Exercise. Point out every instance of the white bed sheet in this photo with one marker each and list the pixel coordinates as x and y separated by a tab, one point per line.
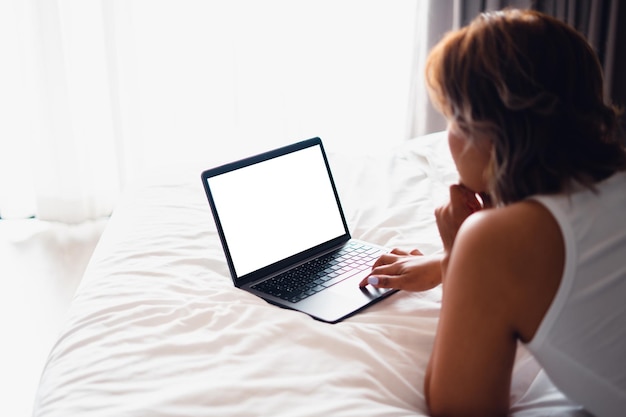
157	327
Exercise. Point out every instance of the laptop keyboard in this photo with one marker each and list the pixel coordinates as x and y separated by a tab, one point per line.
320	273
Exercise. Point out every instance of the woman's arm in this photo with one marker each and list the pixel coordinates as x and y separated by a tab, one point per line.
503	270
470	368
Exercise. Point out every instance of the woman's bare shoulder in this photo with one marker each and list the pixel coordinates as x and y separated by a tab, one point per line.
519	217
525	226
518	252
492	296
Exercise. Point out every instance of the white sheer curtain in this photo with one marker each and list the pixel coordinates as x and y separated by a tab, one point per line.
97	92
434	19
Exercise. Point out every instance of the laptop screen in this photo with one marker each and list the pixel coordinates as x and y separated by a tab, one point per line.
276	208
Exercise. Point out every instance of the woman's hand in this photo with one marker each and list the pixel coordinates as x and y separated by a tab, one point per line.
463	202
404	270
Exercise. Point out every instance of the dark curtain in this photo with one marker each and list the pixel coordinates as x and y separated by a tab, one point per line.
603	22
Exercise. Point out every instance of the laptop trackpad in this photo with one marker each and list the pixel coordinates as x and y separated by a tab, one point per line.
350	288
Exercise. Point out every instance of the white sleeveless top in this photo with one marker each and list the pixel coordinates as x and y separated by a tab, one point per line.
581	342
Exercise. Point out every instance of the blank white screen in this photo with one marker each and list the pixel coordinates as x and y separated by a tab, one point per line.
276	208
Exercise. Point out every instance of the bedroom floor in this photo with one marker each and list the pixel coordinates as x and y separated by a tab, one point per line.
41	265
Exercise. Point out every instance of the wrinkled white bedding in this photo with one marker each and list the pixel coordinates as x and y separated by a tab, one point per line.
158	329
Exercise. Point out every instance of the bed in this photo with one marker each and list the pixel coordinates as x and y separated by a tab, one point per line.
157	328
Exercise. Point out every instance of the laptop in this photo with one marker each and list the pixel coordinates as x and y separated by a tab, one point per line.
285	236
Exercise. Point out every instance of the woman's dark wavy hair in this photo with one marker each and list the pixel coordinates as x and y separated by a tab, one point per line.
533	86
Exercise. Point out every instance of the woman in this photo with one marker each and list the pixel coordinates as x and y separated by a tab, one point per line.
546	265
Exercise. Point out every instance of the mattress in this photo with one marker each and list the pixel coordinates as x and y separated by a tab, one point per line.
157	327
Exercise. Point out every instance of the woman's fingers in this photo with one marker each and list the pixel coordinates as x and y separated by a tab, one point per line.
411	273
387	263
394	255
402	252
449	217
382	281
464	200
384	265
385	259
